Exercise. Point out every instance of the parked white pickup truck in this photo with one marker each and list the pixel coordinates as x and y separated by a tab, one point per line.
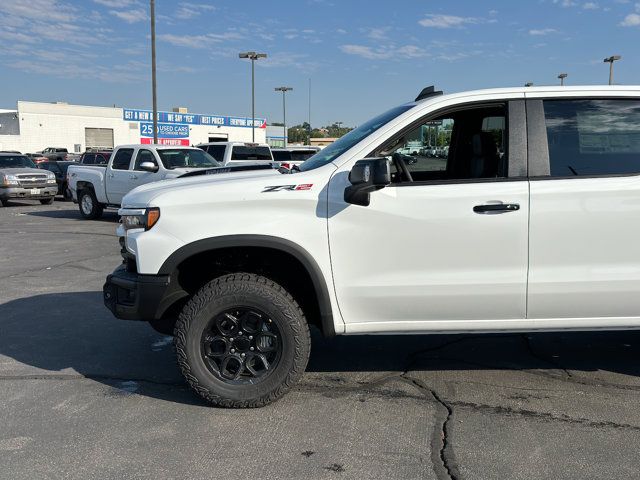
239	153
530	222
97	187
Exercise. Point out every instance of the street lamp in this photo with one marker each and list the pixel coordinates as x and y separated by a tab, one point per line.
253	56
154	95
610	61
562	76
284	90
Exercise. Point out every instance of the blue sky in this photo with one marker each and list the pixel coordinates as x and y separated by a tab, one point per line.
361	56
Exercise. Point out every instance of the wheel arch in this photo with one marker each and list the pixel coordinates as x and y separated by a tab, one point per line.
277	244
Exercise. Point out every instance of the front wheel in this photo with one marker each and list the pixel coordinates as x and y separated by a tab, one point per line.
47	201
242	341
90	209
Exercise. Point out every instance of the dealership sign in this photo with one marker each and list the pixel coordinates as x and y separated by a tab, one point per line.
174	118
165	130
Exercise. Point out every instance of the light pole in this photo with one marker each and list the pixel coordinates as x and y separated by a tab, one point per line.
562	76
610	61
284	90
253	56
153	71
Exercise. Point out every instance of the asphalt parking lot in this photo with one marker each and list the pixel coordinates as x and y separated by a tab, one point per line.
86	396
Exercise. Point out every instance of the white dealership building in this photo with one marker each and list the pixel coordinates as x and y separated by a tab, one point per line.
34	126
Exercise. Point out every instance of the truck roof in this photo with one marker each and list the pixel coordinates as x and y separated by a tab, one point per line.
244	144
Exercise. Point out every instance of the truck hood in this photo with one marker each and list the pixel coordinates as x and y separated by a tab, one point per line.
23	171
144	195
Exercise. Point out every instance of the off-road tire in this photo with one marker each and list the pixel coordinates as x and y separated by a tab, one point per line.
96	209
47	201
5	203
234	290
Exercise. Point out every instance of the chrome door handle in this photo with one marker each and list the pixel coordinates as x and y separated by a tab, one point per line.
111	175
133	177
494	208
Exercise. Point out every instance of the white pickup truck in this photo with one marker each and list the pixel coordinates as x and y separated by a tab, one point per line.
94	187
529	223
240	153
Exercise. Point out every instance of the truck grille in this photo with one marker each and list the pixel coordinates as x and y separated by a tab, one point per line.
32	180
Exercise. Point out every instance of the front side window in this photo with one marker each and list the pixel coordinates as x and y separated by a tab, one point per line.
593	137
122	159
89	159
217	152
144	156
463	145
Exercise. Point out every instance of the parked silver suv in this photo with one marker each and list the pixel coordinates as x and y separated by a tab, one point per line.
21	180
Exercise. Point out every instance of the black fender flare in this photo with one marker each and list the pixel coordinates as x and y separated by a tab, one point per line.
266	241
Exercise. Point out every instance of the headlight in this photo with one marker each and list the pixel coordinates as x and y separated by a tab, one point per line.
51	178
143	218
9	180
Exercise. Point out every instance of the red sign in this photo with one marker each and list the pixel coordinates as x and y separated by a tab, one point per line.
166	141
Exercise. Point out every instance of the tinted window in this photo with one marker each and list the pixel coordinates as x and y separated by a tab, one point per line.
144	156
18	161
251	153
102	159
593	137
281	155
302	154
217	152
89	159
122	159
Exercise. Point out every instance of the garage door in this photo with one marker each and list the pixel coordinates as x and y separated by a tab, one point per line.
98	137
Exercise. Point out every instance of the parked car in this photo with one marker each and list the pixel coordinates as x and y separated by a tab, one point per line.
11	151
59	169
95	187
238	153
290	156
36	157
55	153
358	242
97	157
21	180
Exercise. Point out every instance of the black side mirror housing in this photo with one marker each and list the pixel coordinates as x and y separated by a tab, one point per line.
367	176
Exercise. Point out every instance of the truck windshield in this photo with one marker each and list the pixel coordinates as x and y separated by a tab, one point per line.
186	158
19	161
251	153
337	148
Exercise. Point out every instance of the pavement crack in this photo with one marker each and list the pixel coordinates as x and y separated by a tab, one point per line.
442	454
543	416
64	264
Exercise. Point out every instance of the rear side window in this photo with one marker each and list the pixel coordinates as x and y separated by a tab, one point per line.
251	153
593	137
217	152
89	159
122	159
281	155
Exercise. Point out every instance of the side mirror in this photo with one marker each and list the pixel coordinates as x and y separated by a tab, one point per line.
367	176
149	167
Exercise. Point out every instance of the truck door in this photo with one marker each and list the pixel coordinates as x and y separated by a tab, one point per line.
119	175
447	246
585	205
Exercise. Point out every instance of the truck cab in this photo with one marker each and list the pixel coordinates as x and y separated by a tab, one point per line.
239	153
503	210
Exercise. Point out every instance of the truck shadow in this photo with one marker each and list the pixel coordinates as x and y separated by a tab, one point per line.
72	336
109	216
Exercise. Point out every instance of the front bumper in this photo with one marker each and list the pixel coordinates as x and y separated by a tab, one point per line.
28	193
131	296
